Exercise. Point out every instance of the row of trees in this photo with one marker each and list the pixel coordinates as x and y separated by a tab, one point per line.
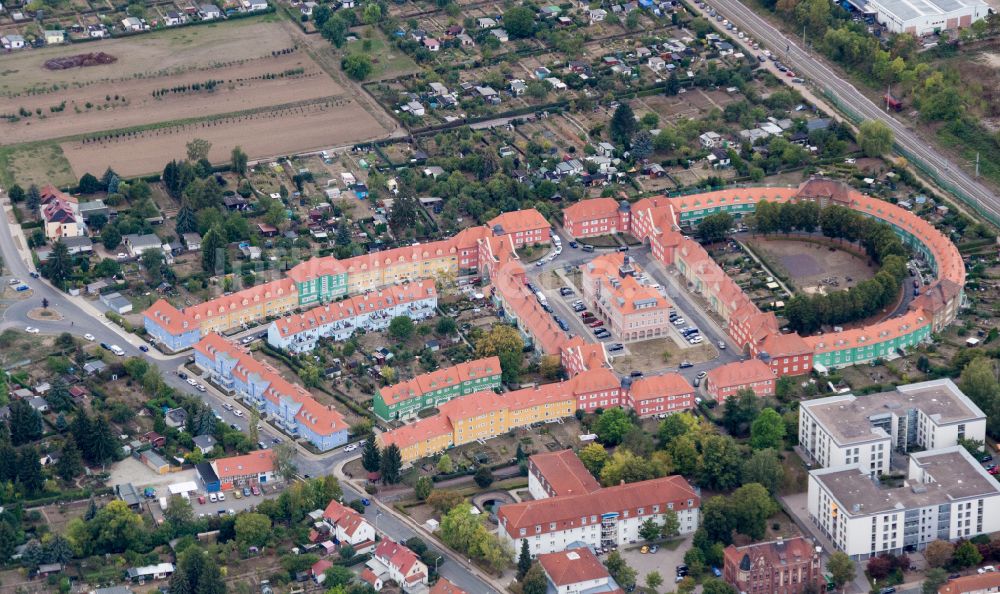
807	313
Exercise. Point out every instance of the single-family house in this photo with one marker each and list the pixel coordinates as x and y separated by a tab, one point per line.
254	5
97	31
54	36
12	42
175	417
710	140
597	15
204	443
94	208
137	244
160	571
192	241
116	303
415	108
518	87
174	18
500	34
431	44
465	40
209	12
400	564
719	158
131	24
486	23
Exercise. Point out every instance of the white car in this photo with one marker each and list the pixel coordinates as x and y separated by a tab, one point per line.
89	337
222	496
13	282
238	412
200	388
31	330
117	350
213	497
192	381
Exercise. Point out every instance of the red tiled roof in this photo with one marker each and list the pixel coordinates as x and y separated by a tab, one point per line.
369	576
168	317
588	210
657	386
443	586
322	420
343	517
519	220
253	463
564	513
986	582
572	566
440	379
241	300
739	373
785	345
564	473
396	555
412	433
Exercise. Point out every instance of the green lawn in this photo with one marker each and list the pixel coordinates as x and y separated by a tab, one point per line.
35	163
388	61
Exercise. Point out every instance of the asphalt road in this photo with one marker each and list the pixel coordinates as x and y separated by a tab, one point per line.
810	65
78	322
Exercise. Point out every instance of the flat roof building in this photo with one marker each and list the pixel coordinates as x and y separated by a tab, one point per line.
925	17
947	495
848	429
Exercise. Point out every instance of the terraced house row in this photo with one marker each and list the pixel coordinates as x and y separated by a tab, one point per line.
660	221
338	320
486	414
404	400
326	279
288	406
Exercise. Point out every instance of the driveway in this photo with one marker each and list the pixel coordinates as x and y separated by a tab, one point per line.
664	561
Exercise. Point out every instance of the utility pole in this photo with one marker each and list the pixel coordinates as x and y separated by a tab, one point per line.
888	93
977	164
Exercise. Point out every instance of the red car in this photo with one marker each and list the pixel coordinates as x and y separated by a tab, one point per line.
596	324
586	315
255	490
201	499
790	74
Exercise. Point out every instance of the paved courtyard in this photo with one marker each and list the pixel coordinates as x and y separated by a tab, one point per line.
664	561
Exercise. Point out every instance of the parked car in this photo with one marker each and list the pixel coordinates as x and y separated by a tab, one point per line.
685	364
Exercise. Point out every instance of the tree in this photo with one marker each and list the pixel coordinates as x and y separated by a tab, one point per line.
392	461
763	467
444	465
741	410
357	66
594	457
153	261
25	423
403	217
252	530
103	445
720	462
284	460
841	568
875	138
625	466
29	471
110	237
939	553
523	560
519	22
59	267
649	530
715	227
372	13
70	464
335	30
966	555
483	477
16	193
654	580
672	86
619	570
178	513
445	326
717	586
197	149
401	328
612	426
504	342
213	251
33	197
623	124
751	506
767	430
423	487
933	580
89	184
442	500
534	581
879	567
238	160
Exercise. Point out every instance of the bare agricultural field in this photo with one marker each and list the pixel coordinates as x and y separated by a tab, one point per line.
266	133
813	267
157	53
244	86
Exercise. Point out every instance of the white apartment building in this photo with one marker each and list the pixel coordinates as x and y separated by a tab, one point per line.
609	516
338	320
946	496
864	430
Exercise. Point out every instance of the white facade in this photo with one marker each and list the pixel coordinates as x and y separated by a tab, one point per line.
850	430
947	496
926	17
601	530
535	487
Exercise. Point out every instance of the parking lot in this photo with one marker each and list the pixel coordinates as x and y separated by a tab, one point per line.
665	560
